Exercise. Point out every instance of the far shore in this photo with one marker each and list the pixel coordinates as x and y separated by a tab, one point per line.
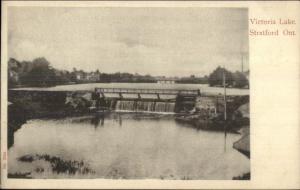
204	88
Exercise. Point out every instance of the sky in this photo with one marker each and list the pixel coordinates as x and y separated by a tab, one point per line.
157	41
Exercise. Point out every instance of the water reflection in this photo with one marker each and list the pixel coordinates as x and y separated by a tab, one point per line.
97	120
129	146
225	136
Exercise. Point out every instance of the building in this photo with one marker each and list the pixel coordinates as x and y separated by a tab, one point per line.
80	75
93	76
14	76
163	80
87	77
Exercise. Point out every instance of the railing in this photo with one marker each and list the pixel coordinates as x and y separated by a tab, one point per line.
147	91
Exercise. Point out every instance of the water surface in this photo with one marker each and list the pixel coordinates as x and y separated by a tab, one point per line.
127	146
91	86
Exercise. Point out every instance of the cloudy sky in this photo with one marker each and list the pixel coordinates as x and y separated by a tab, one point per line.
156	41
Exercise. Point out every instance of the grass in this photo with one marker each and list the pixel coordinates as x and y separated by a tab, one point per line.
58	165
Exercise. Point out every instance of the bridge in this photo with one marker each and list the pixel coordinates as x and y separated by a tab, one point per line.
147	91
147	99
141	93
166	81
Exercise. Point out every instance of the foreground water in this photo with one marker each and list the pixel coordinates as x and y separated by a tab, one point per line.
123	145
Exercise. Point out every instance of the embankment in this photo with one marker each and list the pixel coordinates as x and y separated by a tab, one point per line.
25	105
209	113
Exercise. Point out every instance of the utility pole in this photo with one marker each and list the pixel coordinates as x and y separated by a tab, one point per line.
225	103
225	108
242	62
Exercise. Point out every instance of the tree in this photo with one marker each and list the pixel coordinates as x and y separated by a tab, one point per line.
216	77
40	75
40	62
240	80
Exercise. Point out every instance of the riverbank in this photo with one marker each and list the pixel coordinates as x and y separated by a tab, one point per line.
243	144
26	105
211	117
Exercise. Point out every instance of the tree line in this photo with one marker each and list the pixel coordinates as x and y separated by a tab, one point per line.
40	73
32	73
233	79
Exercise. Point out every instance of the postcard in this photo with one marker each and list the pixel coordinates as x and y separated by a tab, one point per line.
161	94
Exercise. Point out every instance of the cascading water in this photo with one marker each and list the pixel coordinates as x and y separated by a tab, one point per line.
170	106
164	107
112	104
125	105
144	106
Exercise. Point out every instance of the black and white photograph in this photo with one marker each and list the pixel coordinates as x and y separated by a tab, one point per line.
128	93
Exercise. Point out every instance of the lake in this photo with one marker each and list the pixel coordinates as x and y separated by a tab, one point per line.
91	86
123	145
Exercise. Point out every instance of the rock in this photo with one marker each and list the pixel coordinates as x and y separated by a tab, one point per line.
79	101
87	96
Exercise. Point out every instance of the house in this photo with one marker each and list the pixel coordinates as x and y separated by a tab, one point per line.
14	76
87	77
80	75
163	80
93	76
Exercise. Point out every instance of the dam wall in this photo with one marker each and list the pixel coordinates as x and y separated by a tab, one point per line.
45	102
39	103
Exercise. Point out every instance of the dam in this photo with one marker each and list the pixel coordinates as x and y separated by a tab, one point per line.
123	97
117	99
140	100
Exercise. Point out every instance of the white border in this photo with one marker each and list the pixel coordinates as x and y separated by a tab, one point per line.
267	171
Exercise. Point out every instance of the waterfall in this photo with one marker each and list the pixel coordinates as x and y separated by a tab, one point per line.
170	106
125	105
164	107
144	106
